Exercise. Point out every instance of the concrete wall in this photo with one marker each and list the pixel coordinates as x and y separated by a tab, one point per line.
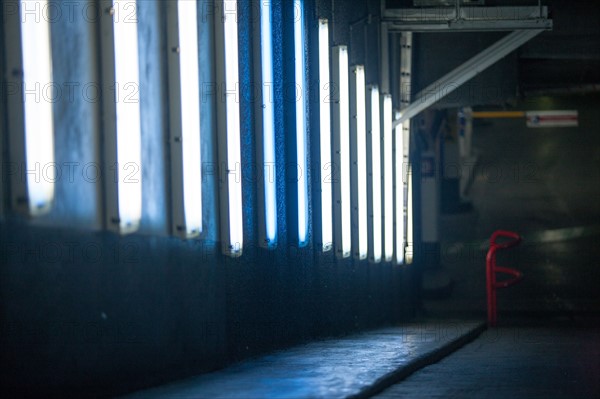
437	54
568	56
84	310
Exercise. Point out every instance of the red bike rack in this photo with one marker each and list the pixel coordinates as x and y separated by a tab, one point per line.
492	269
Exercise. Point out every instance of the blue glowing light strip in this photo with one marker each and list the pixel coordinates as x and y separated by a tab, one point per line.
388	179
376	175
361	160
129	139
190	115
39	123
232	78
301	153
325	137
342	149
268	123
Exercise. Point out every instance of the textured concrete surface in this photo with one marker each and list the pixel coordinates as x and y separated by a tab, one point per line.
503	363
335	368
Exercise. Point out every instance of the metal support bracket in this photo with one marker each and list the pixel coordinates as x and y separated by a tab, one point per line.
454	79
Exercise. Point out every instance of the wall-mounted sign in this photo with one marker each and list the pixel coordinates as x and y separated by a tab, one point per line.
564	118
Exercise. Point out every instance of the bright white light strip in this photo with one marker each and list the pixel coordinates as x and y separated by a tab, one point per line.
388	179
234	183
376	174
39	123
361	162
405	253
325	136
344	149
300	70
128	115
190	115
268	123
399	161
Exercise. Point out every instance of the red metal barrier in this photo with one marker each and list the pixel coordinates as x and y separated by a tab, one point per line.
492	269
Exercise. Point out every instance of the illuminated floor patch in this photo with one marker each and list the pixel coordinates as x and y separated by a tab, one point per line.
336	368
565	234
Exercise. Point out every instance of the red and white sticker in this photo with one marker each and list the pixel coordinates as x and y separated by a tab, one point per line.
565	118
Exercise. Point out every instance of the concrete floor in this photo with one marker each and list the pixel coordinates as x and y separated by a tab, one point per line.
333	368
543	184
540	362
